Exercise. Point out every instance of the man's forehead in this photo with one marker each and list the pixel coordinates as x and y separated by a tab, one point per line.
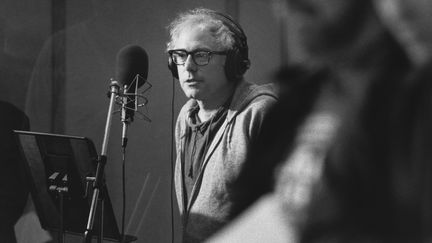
196	38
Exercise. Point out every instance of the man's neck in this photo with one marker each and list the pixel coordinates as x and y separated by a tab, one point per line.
205	115
207	111
207	108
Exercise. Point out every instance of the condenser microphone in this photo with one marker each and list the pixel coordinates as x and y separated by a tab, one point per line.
131	73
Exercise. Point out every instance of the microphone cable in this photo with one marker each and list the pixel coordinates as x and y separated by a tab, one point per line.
172	159
123	192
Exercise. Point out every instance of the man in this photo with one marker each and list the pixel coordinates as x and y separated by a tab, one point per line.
208	54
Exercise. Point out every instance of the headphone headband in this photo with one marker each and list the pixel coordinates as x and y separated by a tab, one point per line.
239	35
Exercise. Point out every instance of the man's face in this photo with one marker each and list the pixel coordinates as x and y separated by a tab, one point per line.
205	83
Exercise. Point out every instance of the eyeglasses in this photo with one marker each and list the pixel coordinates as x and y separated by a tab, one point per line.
200	57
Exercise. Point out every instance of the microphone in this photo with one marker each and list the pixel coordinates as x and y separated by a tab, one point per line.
131	73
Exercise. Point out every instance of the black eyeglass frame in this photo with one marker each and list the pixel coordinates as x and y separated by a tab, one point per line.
192	53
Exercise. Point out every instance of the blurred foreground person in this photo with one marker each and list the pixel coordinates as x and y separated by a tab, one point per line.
351	162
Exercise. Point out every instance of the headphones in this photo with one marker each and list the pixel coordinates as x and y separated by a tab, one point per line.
237	60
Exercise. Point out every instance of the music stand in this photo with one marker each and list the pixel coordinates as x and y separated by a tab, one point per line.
54	162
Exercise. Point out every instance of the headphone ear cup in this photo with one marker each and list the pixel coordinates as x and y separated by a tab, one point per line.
230	66
173	68
235	65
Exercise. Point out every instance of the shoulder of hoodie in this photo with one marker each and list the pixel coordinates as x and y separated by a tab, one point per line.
247	92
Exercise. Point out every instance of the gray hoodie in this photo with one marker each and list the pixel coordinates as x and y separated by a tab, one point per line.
210	204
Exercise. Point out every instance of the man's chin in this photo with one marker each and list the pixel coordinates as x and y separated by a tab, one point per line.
193	95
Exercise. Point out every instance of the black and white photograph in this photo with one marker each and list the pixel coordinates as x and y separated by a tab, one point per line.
231	121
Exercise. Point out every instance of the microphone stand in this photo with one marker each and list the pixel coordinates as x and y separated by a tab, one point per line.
99	180
126	118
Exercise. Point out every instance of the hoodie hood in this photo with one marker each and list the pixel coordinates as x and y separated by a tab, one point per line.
245	93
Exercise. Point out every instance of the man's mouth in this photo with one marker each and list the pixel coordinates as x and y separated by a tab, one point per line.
192	81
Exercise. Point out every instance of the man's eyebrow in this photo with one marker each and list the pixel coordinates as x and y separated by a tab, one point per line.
202	49
194	50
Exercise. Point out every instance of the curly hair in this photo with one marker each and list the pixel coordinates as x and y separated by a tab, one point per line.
205	19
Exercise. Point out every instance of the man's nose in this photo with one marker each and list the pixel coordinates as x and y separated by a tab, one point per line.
190	65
